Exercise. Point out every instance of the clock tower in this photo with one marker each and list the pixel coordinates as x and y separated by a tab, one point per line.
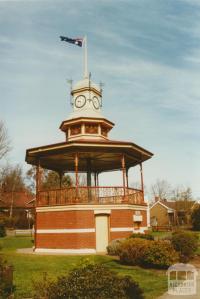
86	120
86	99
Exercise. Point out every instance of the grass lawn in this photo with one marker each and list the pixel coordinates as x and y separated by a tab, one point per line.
161	235
31	267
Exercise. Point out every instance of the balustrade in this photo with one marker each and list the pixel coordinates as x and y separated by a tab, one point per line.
89	195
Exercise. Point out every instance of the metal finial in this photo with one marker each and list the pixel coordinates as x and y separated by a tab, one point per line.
101	85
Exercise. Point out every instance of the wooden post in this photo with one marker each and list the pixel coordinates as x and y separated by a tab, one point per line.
89	181
95	184
142	182
37	185
127	185
60	179
97	179
124	175
76	172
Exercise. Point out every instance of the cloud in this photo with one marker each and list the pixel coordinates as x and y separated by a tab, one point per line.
146	52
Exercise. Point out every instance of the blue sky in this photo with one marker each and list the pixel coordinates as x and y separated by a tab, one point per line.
147	52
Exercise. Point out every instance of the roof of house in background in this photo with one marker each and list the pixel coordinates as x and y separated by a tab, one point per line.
20	199
176	205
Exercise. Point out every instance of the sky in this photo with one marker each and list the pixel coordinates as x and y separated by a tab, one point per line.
147	54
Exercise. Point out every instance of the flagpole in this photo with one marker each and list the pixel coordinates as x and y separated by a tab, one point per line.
85	58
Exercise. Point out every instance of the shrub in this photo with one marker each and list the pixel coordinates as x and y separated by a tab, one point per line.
93	282
186	243
195	218
132	250
5	279
114	247
142	236
2	229
160	254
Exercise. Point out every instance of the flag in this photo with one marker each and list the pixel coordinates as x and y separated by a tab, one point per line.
75	41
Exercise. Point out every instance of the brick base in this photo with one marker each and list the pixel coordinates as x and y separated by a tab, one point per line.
75	229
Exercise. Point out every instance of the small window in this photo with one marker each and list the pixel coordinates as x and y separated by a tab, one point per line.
75	130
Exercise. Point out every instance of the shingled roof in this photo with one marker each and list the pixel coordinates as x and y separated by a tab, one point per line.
177	205
20	199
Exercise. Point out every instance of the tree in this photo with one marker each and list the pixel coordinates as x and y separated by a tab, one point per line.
4	140
181	193
195	218
31	178
49	179
161	189
12	180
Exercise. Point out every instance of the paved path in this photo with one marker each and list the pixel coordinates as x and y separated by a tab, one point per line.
197	296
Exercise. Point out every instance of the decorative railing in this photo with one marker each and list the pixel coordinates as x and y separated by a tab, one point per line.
89	195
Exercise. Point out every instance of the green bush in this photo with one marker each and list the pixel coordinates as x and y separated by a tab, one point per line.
142	236
91	282
195	218
160	254
132	250
114	246
186	243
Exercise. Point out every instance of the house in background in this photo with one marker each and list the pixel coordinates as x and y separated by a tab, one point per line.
18	206
171	213
162	213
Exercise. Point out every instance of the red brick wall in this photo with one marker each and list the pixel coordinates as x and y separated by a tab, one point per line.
65	219
119	235
66	241
78	220
124	218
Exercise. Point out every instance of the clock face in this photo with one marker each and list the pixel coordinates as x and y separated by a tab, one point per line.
80	101
95	102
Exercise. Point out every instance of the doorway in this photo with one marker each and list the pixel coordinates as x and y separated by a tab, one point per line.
101	233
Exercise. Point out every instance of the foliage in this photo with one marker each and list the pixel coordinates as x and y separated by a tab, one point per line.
160	254
142	236
9	222
91	281
195	218
4	140
114	246
2	229
147	253
152	282
49	179
41	287
186	243
5	280
132	251
11	178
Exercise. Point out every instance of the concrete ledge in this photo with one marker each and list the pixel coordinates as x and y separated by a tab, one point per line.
52	251
65	251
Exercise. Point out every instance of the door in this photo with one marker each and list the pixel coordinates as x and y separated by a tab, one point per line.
101	233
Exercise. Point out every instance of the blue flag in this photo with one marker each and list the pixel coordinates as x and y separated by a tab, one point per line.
75	41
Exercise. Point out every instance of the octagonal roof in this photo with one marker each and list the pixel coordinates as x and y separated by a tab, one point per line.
104	155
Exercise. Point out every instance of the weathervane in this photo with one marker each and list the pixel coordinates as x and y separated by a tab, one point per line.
70	81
